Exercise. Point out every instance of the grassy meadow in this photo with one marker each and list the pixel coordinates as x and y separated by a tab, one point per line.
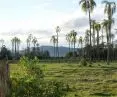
95	80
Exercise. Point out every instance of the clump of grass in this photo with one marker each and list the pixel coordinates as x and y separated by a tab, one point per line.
83	62
90	65
99	65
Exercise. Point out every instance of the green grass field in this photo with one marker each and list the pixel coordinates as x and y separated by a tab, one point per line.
97	80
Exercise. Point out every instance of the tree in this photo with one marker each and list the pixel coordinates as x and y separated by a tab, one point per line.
81	43
87	43
74	38
68	38
18	44
87	37
34	41
37	48
105	26
88	6
57	31
5	53
54	41
29	40
102	36
93	28
110	9
15	46
97	28
2	42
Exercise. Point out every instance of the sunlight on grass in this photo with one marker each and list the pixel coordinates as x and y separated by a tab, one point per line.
96	81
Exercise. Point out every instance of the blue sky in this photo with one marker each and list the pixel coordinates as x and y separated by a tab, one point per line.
40	17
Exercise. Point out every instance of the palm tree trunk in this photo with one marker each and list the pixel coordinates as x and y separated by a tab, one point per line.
90	25
82	49
93	35
69	46
15	48
108	49
74	48
54	49
97	45
90	34
18	48
12	47
57	47
29	47
109	41
102	37
34	49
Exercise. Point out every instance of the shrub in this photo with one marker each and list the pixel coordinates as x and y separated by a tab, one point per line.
33	84
83	62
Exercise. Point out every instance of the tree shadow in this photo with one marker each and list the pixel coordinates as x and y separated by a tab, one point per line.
104	94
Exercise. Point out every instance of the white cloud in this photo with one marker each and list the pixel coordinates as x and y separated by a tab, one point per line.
43	27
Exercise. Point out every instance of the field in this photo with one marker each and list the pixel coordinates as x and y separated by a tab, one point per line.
95	80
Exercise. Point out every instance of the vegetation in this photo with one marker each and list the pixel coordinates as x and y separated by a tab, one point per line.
31	81
92	80
83	72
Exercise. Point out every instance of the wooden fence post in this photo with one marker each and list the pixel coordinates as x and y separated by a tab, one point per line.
4	78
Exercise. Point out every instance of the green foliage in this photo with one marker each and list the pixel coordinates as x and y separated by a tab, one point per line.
83	62
37	53
33	84
71	54
84	81
5	53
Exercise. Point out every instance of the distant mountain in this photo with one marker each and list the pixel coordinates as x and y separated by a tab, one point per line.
62	50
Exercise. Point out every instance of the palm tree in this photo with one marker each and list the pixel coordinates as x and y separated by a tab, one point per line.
57	31
93	28
15	46
12	41
54	41
29	40
97	28
110	9
88	6
18	44
74	38
68	38
2	42
34	41
87	43
105	25
81	43
112	37
87	37
102	36
37	48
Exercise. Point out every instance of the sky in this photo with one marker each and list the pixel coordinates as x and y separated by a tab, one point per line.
40	17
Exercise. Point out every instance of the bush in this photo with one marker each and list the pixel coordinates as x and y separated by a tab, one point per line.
83	62
33	84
